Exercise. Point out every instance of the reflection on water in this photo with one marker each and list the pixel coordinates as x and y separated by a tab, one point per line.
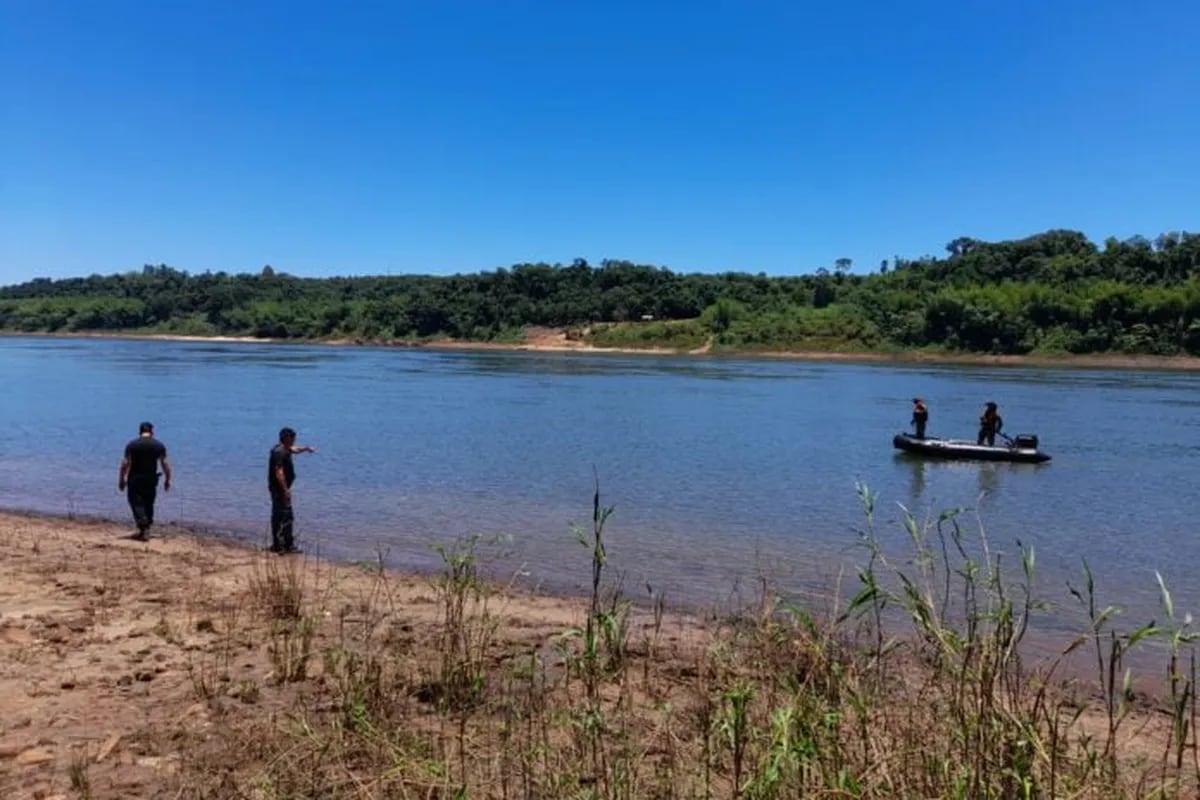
917	468
987	476
721	470
221	359
623	365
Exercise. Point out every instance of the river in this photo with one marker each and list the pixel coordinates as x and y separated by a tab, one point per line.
721	471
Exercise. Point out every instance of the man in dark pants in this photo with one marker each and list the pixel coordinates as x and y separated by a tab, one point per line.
920	416
990	424
280	476
139	473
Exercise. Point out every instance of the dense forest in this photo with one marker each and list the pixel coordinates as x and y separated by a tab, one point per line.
1055	292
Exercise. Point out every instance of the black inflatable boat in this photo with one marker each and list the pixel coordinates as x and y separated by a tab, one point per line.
1023	448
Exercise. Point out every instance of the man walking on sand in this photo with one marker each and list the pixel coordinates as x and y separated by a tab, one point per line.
280	476
139	477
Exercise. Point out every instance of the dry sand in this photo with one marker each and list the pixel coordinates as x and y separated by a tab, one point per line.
104	642
120	659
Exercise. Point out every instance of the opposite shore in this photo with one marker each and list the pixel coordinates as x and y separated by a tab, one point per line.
553	340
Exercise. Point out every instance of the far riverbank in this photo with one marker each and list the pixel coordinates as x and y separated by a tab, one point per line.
553	340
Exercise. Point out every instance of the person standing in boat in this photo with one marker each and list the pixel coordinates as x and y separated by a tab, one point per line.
989	425
920	416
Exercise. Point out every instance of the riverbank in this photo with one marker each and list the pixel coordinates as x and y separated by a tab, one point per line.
189	667
555	340
119	657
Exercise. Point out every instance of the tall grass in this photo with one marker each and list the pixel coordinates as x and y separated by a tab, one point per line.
919	687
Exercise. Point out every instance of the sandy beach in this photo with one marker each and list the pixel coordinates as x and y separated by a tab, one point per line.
119	658
188	667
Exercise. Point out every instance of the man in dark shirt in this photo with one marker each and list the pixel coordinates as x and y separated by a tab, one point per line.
920	416
139	475
989	425
280	476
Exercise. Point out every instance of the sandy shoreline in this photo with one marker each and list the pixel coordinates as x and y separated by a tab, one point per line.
547	340
131	669
103	640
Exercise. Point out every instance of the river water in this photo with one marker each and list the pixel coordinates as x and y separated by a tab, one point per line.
721	471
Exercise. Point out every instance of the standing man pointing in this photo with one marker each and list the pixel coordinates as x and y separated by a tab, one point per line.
280	476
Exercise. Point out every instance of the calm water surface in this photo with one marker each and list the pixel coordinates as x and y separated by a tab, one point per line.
720	470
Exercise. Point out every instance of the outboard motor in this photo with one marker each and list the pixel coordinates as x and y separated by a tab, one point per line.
1025	440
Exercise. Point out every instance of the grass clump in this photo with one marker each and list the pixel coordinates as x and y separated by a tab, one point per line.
918	685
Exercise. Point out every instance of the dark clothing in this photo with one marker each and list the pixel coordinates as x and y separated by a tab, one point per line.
281	456
141	484
919	419
282	518
144	453
989	425
141	492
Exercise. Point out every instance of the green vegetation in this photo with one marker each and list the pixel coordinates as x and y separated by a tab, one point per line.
919	687
1055	292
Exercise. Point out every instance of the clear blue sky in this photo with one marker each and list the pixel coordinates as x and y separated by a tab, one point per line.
442	136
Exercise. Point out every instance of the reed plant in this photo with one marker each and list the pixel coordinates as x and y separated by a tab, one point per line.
920	686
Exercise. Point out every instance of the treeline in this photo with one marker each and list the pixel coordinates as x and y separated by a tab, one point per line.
1053	292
